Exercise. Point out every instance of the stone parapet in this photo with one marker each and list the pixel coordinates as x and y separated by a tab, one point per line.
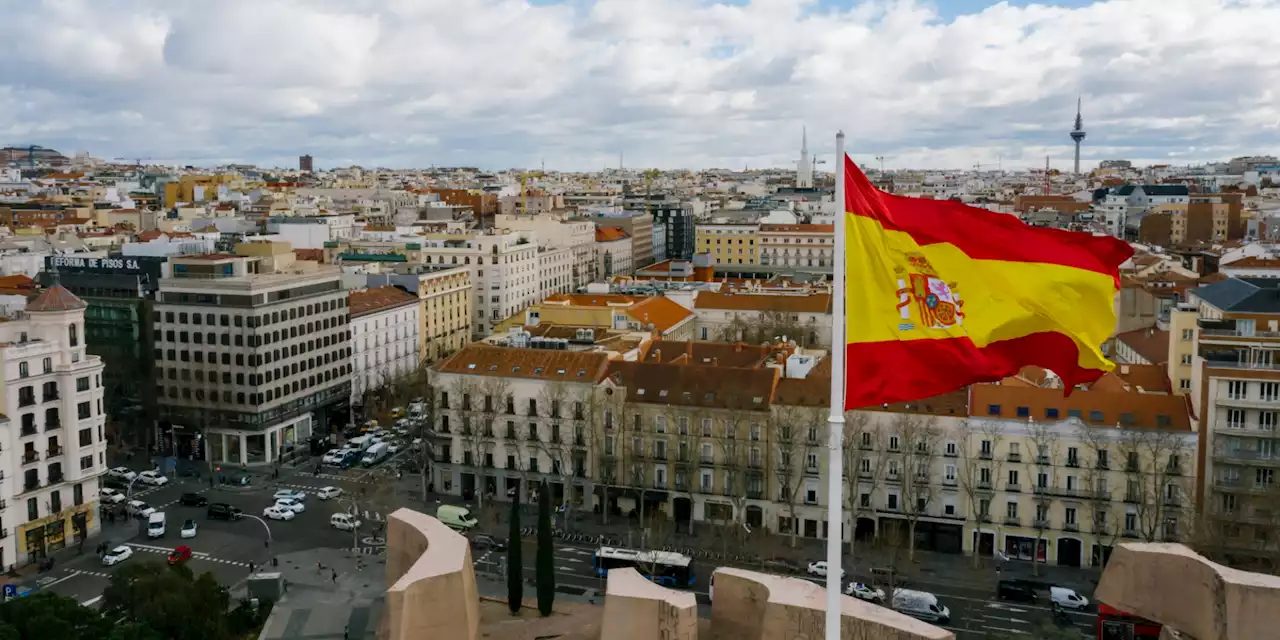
1173	585
433	586
637	609
757	606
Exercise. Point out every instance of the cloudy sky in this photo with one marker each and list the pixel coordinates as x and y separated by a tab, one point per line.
667	83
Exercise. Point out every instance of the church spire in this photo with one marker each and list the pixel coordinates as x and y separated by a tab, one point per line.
804	173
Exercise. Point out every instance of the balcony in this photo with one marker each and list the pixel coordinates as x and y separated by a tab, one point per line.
30	456
579	441
1071	526
1012	521
1063	492
509	435
893	477
1101	530
1015	457
555	439
31	485
1102	465
945	454
811	470
920	479
1073	462
50	425
985	455
755	464
1245	455
1131	533
1013	487
29	430
1039	524
1132	498
948	482
659	484
53	452
865	475
659	455
1102	494
1042	460
1172	501
1173	469
984	485
755	494
708	460
49	397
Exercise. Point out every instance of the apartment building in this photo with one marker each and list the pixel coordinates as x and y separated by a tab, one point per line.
613	246
504	270
673	222
561	230
1235	377
729	243
444	293
803	316
385	325
639	226
555	271
797	245
252	350
53	446
658	315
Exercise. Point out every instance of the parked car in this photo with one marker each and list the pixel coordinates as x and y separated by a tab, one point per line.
782	565
864	592
153	478
117	555
393	447
123	473
326	493
1016	590
290	494
223	511
139	509
180	554
344	521
488	542
193	500
277	513
820	569
333	456
291	504
110	496
188	528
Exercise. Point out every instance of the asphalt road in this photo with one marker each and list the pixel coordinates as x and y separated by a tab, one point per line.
222	547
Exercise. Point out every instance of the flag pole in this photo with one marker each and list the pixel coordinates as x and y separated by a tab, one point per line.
835	422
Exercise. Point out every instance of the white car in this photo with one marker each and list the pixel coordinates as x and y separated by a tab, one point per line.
277	513
117	555
326	493
189	529
123	473
864	592
290	504
110	496
344	522
139	509
289	494
152	478
820	569
394	447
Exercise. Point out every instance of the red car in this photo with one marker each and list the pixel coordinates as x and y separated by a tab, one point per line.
181	554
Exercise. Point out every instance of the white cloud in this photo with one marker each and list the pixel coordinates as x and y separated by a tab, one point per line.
671	83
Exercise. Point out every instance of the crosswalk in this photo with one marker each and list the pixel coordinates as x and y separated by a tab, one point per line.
197	555
333	476
368	551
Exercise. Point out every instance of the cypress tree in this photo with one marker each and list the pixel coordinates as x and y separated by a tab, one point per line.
515	572
546	579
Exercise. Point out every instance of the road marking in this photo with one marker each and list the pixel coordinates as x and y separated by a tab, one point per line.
50	584
90	602
1005	607
1017	620
1018	632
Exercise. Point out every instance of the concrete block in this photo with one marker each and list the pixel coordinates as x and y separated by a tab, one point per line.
637	609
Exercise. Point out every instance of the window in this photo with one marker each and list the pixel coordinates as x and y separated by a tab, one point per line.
1188	334
1024	412
1184	384
77	494
993	409
83	410
1237	389
1235	418
82	384
22	370
1186	358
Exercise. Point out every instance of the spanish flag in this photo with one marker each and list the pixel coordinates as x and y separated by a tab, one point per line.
940	295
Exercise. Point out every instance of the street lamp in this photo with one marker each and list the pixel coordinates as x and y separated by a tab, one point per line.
268	530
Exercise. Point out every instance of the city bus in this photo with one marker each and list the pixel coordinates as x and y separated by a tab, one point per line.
662	567
1114	624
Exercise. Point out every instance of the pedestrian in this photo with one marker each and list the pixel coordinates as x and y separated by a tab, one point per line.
346	632
251	566
319	568
335	576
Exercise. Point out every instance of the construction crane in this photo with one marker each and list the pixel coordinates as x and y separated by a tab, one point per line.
524	193
137	162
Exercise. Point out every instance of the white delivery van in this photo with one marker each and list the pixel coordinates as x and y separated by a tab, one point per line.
155	525
458	518
1068	599
360	444
922	605
344	521
375	454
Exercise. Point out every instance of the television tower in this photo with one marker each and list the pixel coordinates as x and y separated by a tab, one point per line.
1077	135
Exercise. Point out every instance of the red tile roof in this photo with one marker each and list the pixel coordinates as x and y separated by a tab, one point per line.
610	234
56	298
369	301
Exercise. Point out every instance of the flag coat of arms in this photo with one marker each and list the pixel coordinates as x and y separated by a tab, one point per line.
939	295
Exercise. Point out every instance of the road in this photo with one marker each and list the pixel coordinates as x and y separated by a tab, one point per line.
224	548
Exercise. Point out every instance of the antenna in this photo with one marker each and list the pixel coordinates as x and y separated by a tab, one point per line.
1046	175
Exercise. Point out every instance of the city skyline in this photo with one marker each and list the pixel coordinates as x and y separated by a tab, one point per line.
693	85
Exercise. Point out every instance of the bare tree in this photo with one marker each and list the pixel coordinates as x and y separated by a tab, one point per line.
558	408
1045	437
745	458
793	448
862	466
920	436
465	403
636	456
688	429
978	468
1155	483
602	422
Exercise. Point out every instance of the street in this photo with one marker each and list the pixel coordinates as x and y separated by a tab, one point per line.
227	548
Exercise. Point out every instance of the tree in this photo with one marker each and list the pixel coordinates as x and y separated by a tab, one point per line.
546	576
1045	438
688	421
920	435
1155	483
556	402
977	469
790	423
48	615
862	467
515	566
737	455
168	600
601	415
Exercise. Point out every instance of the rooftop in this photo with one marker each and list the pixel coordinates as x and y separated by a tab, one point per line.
367	301
610	234
1149	342
786	303
1096	407
56	298
712	387
1243	295
485	360
797	228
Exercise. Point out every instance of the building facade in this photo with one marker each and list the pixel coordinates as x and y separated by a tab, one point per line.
797	245
729	243
385	326
613	247
54	442
253	352
445	294
639	225
504	270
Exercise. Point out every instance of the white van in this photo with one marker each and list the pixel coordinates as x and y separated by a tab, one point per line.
1068	599
922	605
344	521
155	525
458	518
375	454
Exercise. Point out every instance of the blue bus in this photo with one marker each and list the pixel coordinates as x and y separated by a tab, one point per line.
662	567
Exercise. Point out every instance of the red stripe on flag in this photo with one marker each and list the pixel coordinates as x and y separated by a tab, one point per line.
908	370
981	234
